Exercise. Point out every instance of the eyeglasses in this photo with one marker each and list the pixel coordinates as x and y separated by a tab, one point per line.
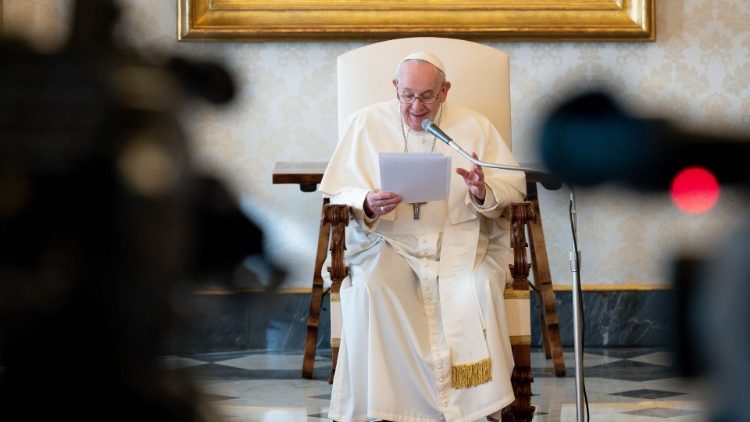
409	98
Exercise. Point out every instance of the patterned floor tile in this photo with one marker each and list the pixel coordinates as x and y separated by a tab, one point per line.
659	412
629	370
647	394
273	393
218	397
176	362
631	385
270	362
219	356
657	358
223	372
692	388
271	414
540	361
622	353
640	411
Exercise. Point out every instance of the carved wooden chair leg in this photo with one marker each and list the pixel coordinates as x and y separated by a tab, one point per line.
517	308
316	297
337	216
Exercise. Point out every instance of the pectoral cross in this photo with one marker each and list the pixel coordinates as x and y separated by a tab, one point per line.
415	209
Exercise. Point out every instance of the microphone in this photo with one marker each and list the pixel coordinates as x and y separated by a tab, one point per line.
431	127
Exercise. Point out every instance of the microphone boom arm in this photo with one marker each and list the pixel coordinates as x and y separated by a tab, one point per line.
433	129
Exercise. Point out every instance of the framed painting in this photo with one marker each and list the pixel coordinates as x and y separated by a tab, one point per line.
511	20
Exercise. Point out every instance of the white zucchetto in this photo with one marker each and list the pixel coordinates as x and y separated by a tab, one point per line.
424	56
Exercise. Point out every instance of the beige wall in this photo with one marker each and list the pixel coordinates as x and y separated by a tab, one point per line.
696	73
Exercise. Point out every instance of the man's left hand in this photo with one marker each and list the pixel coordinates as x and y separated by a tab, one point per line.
474	179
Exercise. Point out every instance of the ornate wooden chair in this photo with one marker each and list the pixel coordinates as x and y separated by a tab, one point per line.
480	77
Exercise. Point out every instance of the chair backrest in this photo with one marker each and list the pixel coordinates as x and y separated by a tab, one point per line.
479	76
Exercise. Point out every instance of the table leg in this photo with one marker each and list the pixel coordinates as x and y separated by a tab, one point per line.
316	297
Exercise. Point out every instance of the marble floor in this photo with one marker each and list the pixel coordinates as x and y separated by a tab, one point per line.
631	385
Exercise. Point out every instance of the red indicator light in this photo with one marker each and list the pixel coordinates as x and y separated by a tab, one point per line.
695	190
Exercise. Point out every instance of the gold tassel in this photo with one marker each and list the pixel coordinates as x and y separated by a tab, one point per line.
471	374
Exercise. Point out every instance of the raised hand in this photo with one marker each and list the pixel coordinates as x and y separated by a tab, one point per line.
474	179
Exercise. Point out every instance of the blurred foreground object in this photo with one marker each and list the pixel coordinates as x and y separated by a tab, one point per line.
589	140
101	214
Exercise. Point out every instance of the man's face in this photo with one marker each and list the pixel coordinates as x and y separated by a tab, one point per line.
423	80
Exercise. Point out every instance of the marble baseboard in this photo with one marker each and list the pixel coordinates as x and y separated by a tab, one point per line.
279	322
615	318
249	321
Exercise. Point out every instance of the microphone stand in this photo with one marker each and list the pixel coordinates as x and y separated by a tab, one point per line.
575	259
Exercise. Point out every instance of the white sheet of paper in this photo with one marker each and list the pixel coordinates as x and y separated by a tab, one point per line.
418	177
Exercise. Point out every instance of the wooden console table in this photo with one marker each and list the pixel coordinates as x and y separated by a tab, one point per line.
309	174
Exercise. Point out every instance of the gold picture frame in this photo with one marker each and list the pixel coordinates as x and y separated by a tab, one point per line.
502	20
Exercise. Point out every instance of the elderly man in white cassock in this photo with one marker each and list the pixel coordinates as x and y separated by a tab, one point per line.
424	335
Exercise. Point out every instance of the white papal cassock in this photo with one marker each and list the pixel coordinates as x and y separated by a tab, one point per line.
424	298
